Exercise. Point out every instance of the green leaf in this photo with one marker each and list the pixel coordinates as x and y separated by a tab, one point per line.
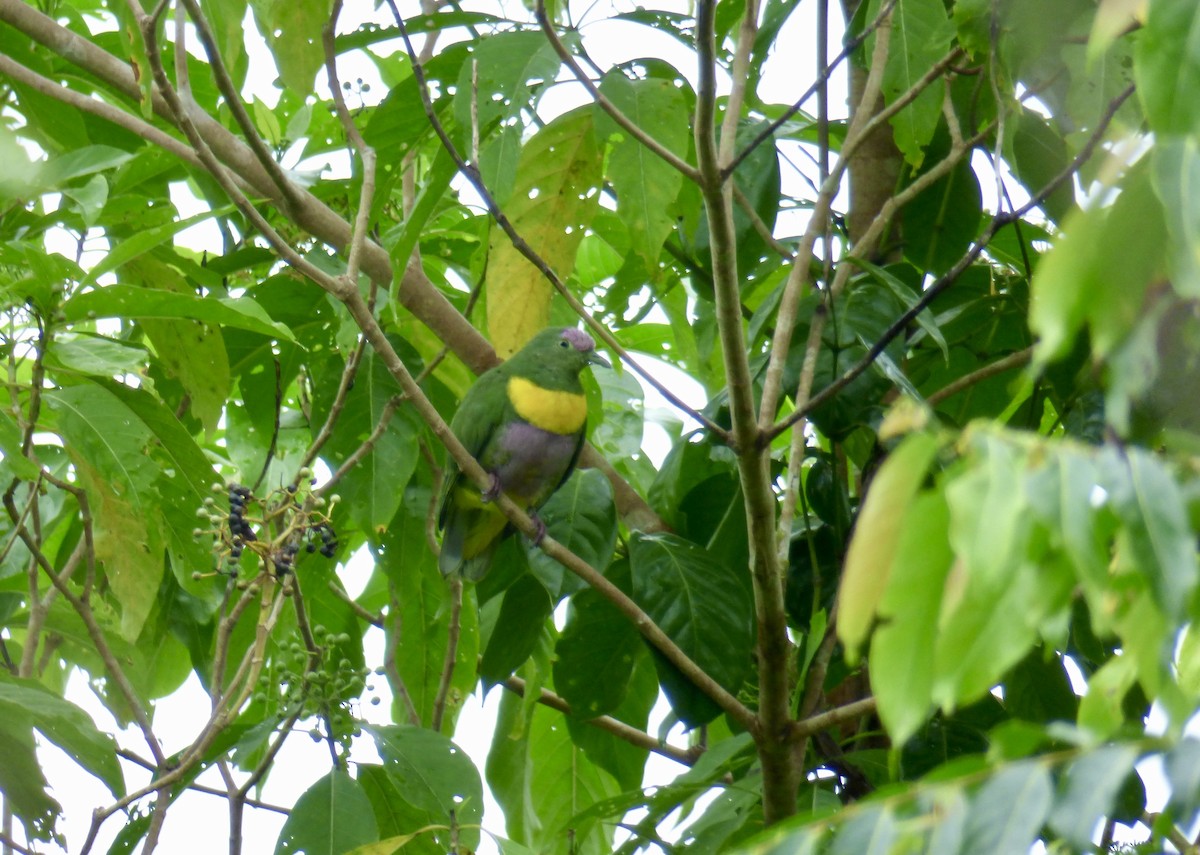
1182	765
705	607
1038	154
126	301
64	724
871	832
1176	163
523	612
1091	788
395	817
374	487
624	761
555	196
500	78
137	245
595	655
1167	66
95	356
192	353
185	474
908	297
1008	811
646	185
333	815
434	774
1149	504
869	556
10	446
1101	710
108	445
902	648
77	163
544	782
948	212
21	779
422	602
292	29
582	517
921	35
1094	277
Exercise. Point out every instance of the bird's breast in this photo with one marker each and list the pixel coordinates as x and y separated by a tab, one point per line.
530	462
550	410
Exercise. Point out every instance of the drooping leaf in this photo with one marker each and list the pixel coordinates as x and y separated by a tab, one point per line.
553	200
65	725
434	774
423	601
645	184
703	606
902	647
108	444
126	301
595	655
544	782
1091	787
869	557
581	516
921	34
288	28
1008	811
333	815
521	621
1167	67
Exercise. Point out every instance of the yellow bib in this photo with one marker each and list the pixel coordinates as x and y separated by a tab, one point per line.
557	412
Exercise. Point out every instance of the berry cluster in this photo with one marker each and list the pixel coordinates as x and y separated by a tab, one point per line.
329	541
285	520
239	529
322	683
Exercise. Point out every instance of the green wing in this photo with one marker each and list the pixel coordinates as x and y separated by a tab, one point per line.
475	422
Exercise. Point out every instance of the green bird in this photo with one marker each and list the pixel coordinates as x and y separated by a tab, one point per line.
524	422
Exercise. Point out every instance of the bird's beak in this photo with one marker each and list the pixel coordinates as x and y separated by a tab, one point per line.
596	359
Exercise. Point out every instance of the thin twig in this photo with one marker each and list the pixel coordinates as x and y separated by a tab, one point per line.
849	48
233	100
823	721
335	407
619	729
366	154
1013	360
335	586
632	128
367	446
126	754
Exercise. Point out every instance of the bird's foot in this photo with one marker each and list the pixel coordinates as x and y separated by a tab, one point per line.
539	533
493	490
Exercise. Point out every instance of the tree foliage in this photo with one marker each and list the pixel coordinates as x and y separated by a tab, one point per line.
919	573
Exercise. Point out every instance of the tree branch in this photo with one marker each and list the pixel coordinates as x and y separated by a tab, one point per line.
780	774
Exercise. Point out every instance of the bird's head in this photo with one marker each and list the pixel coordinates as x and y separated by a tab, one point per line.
560	348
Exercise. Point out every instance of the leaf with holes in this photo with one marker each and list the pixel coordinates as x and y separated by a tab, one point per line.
554	198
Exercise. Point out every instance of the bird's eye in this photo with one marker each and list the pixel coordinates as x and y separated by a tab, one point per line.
564	343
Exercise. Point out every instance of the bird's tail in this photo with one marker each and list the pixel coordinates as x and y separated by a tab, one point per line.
469	540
